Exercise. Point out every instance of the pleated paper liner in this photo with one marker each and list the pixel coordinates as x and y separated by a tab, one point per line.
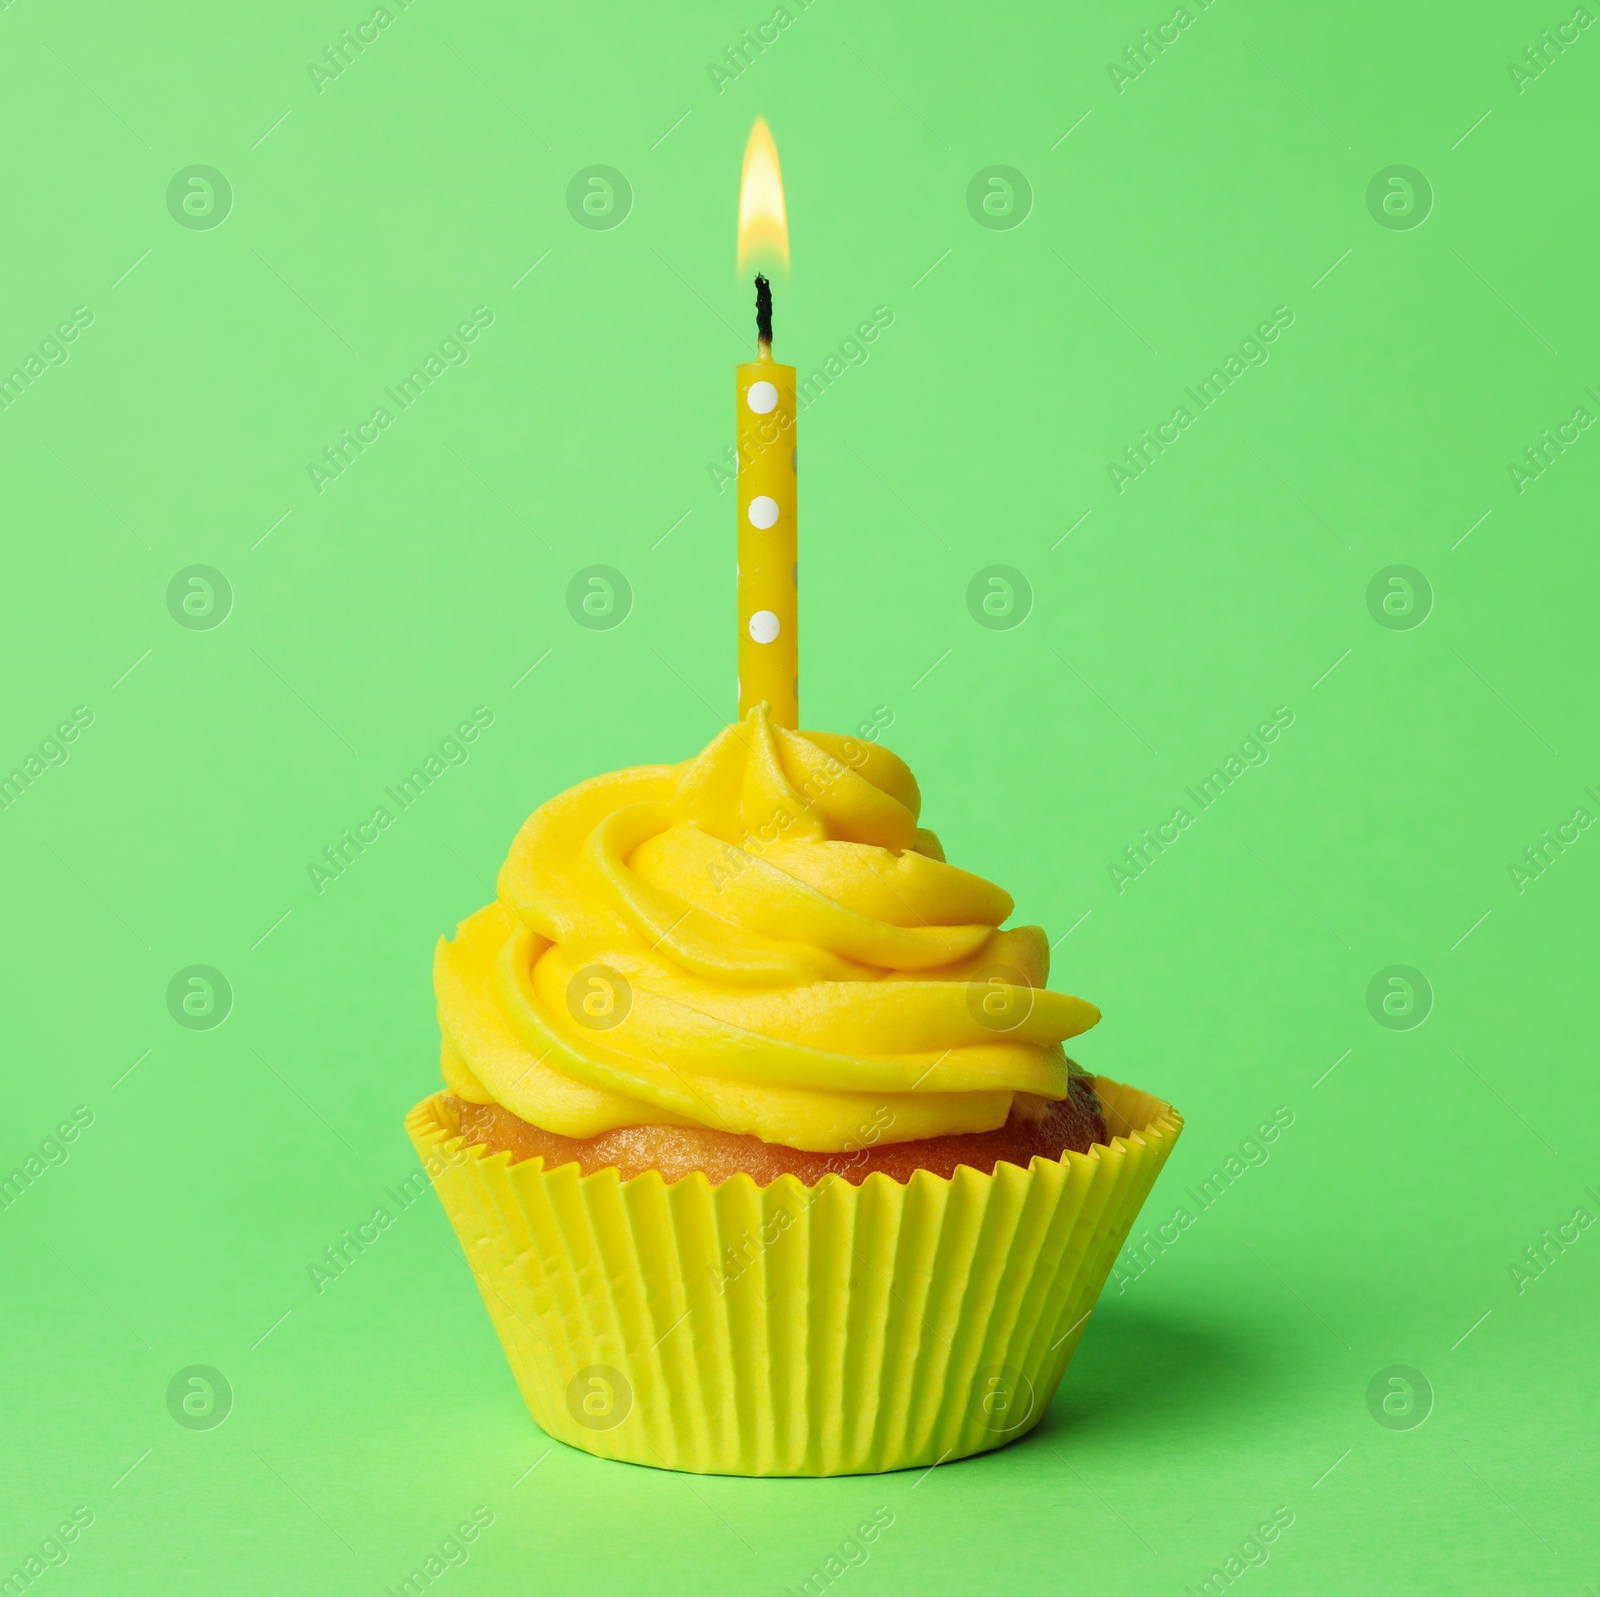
794	1330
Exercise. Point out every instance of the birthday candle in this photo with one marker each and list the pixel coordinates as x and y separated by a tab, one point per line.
768	573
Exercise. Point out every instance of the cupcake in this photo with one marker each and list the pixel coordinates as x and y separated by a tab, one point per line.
758	1131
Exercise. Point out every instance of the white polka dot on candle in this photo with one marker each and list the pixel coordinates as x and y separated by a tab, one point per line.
763	511
762	398
764	626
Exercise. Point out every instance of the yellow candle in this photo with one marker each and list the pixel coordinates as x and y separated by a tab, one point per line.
769	629
769	618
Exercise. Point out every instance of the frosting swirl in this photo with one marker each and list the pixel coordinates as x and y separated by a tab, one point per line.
759	940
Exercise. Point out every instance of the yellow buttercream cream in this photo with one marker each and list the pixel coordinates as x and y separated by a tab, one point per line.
759	940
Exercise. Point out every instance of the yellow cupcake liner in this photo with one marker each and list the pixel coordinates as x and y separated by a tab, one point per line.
793	1330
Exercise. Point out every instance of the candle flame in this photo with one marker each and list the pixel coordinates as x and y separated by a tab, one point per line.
763	220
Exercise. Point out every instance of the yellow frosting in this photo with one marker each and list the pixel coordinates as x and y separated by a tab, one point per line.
759	940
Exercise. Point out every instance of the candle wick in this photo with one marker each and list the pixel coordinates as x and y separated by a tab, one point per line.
764	316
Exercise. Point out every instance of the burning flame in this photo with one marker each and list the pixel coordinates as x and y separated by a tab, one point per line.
763	221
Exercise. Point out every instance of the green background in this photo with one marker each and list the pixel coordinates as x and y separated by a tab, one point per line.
1167	220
